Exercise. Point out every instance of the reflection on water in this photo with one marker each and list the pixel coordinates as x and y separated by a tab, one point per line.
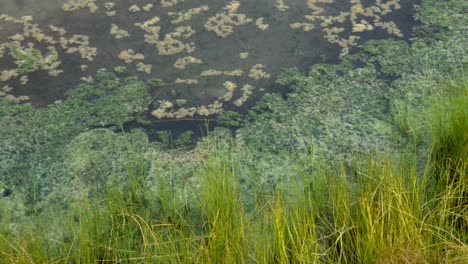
214	55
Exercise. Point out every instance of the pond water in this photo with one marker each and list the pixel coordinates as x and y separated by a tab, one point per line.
216	55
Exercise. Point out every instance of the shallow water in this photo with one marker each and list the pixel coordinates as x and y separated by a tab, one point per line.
277	47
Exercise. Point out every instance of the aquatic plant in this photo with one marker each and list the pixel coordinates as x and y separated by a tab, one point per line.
30	59
229	119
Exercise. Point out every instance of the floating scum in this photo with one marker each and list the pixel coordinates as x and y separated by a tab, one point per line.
215	54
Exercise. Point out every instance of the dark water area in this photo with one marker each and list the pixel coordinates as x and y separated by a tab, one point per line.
270	36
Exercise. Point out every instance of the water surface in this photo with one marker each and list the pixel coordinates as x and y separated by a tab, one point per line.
267	36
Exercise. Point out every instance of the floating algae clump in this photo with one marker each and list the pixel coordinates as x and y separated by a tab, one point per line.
6	75
146	68
118	33
281	6
185	81
28	59
80	44
181	63
170	3
171	44
213	72
223	24
243	55
187	15
147	7
73	5
357	15
129	55
230	87
247	91
134	9
259	23
257	72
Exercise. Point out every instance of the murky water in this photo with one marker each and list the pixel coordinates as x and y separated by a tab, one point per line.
227	66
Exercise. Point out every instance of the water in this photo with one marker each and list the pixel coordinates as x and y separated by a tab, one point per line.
275	48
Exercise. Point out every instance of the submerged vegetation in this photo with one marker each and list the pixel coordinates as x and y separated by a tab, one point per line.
360	162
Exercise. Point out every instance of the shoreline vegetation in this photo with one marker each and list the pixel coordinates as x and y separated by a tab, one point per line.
361	162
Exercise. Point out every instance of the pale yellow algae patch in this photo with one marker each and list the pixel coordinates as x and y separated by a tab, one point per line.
179	17
257	72
89	79
185	112
390	26
164	104
230	88
247	91
118	33
361	19
171	44
128	56
81	43
215	108
33	31
2	49
7	89
134	9
109	5
146	68
151	30
165	110
159	113
14	99
186	81
59	30
182	63
147	7
259	23
213	72
281	6
16	37
24	80
223	24
6	75
243	55
305	26
170	3
73	5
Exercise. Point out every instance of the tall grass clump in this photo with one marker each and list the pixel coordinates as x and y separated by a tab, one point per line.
224	217
447	189
375	214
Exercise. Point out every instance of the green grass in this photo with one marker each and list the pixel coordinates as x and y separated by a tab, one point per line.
380	210
379	215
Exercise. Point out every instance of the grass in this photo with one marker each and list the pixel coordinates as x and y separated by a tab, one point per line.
382	210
